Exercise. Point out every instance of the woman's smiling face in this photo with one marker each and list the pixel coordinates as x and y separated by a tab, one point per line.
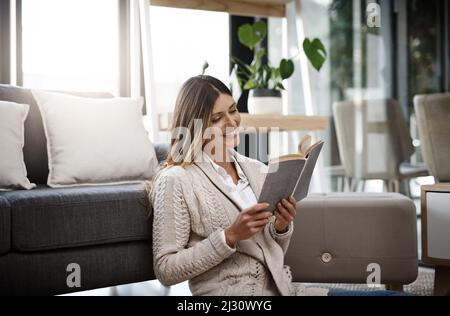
226	117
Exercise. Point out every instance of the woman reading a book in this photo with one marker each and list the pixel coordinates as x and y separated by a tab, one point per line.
208	227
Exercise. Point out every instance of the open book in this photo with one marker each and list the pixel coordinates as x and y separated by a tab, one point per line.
290	174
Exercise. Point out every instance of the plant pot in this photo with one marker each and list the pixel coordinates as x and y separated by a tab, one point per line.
265	101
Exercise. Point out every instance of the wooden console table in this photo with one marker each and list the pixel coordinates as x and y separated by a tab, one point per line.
435	218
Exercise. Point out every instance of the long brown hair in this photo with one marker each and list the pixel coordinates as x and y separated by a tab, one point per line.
195	101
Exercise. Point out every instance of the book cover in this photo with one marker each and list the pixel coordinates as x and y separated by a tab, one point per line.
290	175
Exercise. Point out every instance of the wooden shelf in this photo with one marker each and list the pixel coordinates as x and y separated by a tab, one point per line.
282	122
266	8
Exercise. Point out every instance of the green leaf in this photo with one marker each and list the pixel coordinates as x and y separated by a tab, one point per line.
260	29
242	74
286	68
250	84
275	73
245	35
266	75
260	53
242	66
205	66
256	63
251	35
315	51
280	86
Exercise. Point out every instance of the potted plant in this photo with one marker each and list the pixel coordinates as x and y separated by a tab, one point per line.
264	81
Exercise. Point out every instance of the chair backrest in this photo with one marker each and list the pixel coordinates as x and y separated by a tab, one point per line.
433	120
373	138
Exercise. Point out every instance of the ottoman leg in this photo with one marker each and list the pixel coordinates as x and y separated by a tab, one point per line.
442	281
394	287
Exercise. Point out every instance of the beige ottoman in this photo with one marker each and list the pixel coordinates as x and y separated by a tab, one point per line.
346	237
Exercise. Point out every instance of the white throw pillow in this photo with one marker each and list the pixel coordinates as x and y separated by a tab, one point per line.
13	173
95	141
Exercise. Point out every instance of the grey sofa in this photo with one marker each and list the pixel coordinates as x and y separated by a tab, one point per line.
106	230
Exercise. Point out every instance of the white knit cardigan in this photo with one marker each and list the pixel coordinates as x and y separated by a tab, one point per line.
191	208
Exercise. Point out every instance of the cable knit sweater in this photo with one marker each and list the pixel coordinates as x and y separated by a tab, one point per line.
192	206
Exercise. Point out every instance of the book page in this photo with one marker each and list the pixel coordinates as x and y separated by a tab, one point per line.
302	187
310	148
304	145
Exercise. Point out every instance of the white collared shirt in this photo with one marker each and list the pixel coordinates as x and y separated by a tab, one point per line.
242	191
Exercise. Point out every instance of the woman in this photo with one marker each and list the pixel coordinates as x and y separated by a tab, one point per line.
208	227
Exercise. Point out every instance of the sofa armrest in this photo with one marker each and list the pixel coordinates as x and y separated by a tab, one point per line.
338	235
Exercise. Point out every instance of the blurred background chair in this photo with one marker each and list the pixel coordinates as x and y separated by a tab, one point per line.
433	120
374	143
338	172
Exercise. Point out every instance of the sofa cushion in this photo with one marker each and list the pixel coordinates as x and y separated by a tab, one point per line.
35	149
95	141
13	173
5	225
47	218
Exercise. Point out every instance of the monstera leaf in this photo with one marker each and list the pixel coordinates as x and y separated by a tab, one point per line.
315	51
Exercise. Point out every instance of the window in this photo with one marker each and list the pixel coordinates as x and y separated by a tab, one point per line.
423	48
182	40
70	45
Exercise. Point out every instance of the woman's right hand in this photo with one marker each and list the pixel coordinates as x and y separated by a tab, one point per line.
249	222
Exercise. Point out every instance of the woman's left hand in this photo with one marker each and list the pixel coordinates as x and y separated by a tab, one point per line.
285	213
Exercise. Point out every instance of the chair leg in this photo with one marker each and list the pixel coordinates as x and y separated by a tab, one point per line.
396	185
347	181
339	184
385	185
363	185
406	184
393	185
389	185
354	185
